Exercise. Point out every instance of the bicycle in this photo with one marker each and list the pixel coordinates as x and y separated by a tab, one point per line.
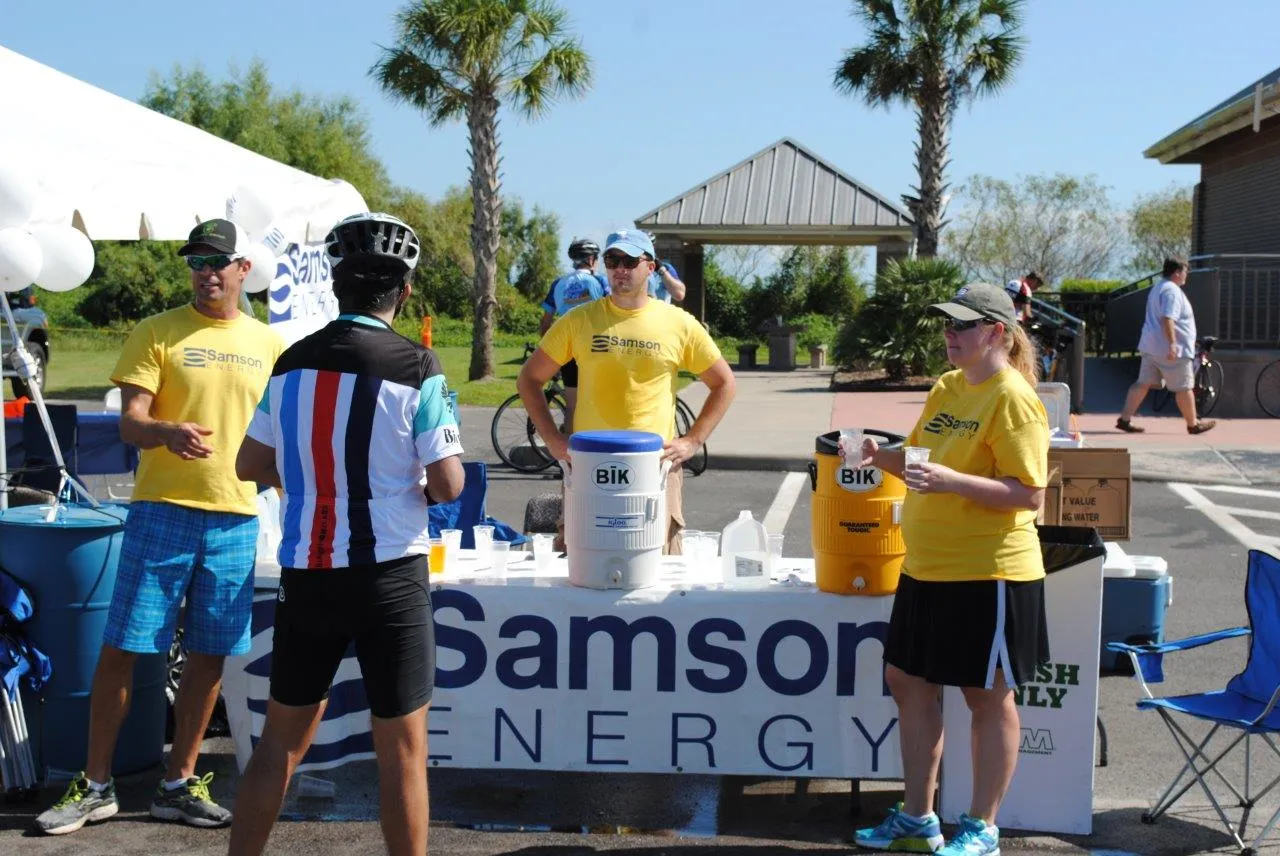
1267	389
517	443
1209	377
513	434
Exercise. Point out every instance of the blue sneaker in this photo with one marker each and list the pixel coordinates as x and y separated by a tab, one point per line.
900	832
975	837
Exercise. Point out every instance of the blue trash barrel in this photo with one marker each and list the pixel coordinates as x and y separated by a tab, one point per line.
69	566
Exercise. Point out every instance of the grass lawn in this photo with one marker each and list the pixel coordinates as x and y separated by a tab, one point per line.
84	373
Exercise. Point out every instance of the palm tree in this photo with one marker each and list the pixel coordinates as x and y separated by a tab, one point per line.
456	58
931	55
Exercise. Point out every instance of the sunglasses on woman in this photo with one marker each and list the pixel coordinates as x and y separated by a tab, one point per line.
960	326
217	262
626	262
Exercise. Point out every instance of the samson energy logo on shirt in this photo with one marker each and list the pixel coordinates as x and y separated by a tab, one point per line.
945	425
602	344
202	358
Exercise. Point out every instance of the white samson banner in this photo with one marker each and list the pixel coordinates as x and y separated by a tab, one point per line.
548	676
301	299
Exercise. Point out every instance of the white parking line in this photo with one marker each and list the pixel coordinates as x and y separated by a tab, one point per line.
1227	517
775	519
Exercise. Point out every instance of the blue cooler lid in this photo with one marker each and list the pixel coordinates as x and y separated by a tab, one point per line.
615	441
70	516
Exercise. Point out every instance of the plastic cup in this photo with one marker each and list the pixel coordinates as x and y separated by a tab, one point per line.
435	556
501	551
452	539
851	446
484	541
913	456
775	545
543	550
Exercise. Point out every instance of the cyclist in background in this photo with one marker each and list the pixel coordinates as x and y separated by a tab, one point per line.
665	284
576	288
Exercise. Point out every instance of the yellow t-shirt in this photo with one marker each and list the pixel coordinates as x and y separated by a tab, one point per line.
627	362
202	370
996	429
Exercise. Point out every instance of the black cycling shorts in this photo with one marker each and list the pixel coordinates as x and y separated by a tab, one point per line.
569	374
385	609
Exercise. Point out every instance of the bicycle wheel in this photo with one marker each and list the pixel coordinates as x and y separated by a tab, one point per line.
516	440
1268	390
696	465
1209	378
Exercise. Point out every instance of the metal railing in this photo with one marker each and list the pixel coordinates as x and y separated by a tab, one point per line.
1235	297
1066	326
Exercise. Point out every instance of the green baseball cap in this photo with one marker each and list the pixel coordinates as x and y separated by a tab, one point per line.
976	301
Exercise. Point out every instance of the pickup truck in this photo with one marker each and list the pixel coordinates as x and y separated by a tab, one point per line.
33	327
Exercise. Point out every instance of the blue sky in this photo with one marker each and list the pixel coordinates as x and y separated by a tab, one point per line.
686	88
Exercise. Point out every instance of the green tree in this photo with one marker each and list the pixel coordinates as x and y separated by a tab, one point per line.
932	55
134	279
726	313
1058	225
328	137
465	58
893	327
1160	228
833	289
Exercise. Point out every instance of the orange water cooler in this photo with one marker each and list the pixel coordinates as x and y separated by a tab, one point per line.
857	539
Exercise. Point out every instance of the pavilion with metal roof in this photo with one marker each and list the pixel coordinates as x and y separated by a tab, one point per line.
783	194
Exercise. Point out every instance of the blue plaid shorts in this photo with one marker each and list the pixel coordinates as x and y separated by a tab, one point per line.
169	553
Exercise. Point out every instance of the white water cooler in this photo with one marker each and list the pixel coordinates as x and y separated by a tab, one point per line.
615	509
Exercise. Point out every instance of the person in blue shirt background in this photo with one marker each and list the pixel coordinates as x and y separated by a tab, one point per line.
576	288
665	284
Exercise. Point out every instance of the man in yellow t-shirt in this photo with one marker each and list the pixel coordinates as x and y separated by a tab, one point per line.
629	348
190	379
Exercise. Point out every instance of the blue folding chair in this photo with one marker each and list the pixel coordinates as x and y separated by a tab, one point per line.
468	510
1245	708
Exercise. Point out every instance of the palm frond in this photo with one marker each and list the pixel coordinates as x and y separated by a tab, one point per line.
405	76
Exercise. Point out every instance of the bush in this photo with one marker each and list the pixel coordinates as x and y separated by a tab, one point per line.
519	316
132	280
818	330
1089	286
893	328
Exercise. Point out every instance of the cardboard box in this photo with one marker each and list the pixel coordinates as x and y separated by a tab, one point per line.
1095	490
1051	511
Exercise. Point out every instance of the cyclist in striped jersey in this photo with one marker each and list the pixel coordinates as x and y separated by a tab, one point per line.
357	429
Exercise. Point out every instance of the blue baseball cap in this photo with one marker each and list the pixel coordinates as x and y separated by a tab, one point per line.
633	242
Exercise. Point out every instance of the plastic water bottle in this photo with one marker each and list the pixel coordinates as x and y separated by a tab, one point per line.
744	552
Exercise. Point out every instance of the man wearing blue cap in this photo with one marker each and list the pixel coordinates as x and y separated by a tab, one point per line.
629	347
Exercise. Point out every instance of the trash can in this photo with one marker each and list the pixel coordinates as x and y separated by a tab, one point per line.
747	355
69	566
1063	547
855	520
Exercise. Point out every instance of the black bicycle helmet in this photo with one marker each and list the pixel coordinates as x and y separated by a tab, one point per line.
583	248
372	236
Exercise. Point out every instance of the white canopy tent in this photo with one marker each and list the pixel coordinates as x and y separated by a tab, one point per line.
118	171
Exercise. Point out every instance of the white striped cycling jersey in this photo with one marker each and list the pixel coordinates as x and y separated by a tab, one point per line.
355	413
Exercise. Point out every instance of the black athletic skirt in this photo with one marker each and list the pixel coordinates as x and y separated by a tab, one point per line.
958	634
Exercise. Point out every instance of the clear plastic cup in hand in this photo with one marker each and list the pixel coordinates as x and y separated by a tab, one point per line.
851	446
543	550
914	456
501	551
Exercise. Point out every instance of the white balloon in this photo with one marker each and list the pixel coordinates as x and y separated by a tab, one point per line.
250	211
68	257
263	270
19	194
20	259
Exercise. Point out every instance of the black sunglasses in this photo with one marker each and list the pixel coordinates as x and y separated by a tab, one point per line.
217	262
960	326
612	261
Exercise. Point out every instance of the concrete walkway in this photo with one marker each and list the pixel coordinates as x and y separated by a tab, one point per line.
778	415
